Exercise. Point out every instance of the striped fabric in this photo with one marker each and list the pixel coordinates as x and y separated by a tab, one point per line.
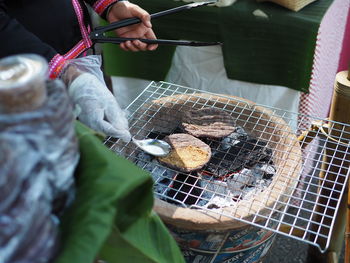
57	63
101	5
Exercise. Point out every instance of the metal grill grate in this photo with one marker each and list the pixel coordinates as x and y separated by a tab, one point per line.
261	175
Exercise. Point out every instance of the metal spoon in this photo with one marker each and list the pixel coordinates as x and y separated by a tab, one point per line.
153	146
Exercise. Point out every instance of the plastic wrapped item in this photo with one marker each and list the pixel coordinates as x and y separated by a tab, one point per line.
96	105
38	155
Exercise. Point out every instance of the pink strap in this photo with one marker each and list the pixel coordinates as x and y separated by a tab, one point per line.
57	63
83	29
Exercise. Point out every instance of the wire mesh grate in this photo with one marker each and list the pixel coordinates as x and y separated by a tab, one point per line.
272	172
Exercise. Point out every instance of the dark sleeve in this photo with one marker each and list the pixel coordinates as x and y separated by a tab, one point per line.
15	39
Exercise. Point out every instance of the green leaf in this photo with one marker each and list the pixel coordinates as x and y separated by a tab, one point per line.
146	241
112	194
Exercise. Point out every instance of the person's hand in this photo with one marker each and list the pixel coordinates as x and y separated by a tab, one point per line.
124	9
96	106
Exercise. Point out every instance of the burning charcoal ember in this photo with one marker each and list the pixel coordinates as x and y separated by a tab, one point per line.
267	170
205	198
162	176
231	189
220	165
185	189
238	135
215	193
258	174
260	185
162	187
143	159
250	152
242	154
211	187
239	180
215	187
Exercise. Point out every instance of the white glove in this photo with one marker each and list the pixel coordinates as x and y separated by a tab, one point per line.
97	107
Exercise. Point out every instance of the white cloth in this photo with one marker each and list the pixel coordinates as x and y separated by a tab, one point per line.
203	68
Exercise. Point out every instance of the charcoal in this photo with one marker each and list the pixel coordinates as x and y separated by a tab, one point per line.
233	138
243	154
162	135
240	180
249	153
162	176
185	189
220	166
267	170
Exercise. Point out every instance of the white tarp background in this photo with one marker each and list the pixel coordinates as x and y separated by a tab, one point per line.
203	68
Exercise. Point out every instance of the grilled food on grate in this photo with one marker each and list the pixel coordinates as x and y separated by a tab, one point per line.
187	154
208	122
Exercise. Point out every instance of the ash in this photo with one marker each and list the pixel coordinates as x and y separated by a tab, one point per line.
241	166
242	185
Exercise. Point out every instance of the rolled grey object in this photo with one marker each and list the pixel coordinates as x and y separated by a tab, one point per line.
38	156
22	83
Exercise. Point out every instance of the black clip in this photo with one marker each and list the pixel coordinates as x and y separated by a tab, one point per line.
97	35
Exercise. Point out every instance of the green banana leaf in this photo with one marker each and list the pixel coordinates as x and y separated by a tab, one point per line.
145	241
111	217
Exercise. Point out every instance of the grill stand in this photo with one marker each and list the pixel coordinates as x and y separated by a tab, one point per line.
331	187
340	112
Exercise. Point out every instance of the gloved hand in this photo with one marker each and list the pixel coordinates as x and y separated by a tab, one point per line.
96	105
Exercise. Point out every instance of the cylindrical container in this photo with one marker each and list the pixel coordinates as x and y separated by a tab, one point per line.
38	156
246	244
22	83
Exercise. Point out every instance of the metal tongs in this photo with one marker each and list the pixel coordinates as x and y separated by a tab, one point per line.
97	35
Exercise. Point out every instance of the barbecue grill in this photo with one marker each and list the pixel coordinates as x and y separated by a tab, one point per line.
273	189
